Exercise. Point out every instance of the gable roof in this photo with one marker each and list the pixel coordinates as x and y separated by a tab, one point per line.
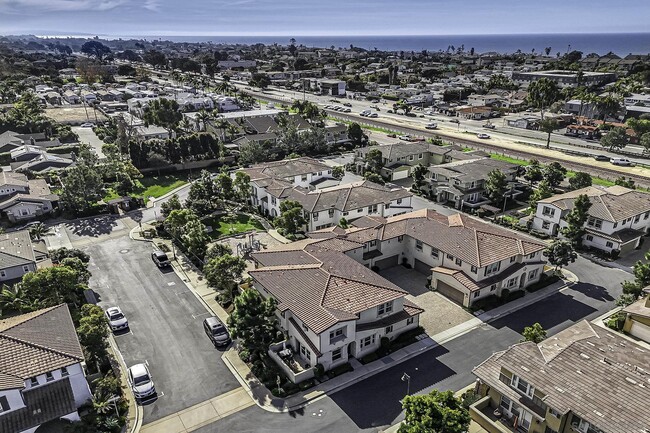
592	372
286	168
472	169
35	343
326	288
16	249
614	203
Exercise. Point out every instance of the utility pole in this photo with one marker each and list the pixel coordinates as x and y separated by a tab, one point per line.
406	378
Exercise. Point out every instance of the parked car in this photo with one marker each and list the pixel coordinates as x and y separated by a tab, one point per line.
405	137
621	161
364	113
391	135
116	319
346	110
347	104
601	157
373	115
482	135
160	259
87	125
216	331
489	125
141	382
431	126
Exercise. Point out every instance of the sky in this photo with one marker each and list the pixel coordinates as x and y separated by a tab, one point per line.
320	17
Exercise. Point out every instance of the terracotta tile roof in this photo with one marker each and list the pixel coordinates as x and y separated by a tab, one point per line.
596	374
331	288
38	342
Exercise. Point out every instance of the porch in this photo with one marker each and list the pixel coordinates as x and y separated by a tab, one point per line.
484	414
290	362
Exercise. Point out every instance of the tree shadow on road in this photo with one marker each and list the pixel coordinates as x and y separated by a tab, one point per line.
595	292
92	227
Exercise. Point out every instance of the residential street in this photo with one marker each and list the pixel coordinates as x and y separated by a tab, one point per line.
165	319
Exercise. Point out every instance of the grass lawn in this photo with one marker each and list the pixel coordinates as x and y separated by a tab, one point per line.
242	224
509	159
155	186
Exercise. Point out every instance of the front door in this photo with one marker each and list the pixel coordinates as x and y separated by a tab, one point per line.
352	349
522	280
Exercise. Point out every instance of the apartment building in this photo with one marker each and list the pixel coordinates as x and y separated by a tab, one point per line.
584	379
618	217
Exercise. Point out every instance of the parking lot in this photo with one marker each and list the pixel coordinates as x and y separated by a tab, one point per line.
165	321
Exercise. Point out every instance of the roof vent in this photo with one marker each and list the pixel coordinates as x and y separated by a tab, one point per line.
525	368
598	413
584	355
630	380
559	389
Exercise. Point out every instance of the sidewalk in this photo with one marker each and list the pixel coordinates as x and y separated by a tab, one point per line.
135	413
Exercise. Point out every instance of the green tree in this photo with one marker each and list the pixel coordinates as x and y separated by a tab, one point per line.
374	161
173	203
576	219
560	253
608	105
253	322
83	186
93	333
291	219
260	80
53	286
177	220
155	58
195	239
163	112
496	186
534	333
436	412
224	186
217	250
534	172
254	152
639	126
627	183
542	93
419	176
544	190
125	185
203	197
548	125
57	255
554	174
356	135
242	186
644	141
374	177
223	274
338	172
343	223
37	231
580	180
641	273
616	138
95	49
81	268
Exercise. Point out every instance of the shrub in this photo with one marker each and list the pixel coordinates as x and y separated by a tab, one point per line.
505	293
244	355
486	303
616	321
341	369
369	358
319	370
544	281
306	384
515	295
384	346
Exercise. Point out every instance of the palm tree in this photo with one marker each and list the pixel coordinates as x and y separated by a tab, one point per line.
37	231
201	118
222	124
103	403
232	130
12	298
548	125
185	124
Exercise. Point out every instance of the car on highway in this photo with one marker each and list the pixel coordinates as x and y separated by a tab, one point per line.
621	161
364	113
405	137
489	125
455	121
373	115
116	319
483	136
141	382
160	259
601	157
346	110
216	331
432	126
87	125
347	104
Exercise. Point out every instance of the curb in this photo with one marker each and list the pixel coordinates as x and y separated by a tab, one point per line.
139	412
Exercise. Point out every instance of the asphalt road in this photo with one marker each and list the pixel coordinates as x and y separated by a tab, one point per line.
374	403
166	326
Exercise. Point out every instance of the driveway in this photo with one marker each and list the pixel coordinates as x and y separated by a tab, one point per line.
166	326
88	136
440	313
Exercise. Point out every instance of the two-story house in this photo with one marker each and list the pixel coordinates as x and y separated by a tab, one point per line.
465	258
463	182
331	307
637	318
19	254
584	379
22	199
41	370
618	217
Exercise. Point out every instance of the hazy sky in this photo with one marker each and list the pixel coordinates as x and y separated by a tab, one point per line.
321	17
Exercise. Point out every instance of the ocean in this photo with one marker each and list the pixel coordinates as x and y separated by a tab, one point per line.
619	43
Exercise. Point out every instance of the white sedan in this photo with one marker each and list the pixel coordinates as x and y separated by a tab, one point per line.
483	136
116	319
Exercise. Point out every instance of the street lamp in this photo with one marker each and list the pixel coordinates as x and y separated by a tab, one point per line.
406	378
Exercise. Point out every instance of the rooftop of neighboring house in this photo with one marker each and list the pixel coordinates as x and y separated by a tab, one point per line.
614	203
398	150
322	286
13	178
472	169
16	249
592	372
286	168
460	235
43	162
36	343
345	197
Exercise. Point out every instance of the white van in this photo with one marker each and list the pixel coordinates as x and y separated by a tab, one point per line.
621	161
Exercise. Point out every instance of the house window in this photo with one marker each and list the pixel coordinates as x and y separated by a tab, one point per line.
305	352
346	213
494	267
530	256
33	381
512	259
548	211
512	282
331	213
273	200
609	244
593	222
477	293
399	201
305	327
459	262
615	225
555	413
409	321
336	354
522	386
389	329
474	269
373	243
418	245
3	274
450	257
49	377
493	287
637	218
25	268
385	308
546	225
64	372
337	335
4	404
400	238
359	210
315	216
420	156
372	209
532	274
590	238
435	252
367	341
646	215
303	178
411	157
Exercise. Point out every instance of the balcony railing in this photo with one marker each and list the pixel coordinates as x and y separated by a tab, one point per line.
291	365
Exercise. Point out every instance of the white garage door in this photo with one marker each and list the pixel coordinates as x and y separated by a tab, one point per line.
639	330
400	174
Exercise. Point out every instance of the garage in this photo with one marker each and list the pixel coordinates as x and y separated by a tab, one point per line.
422	267
450	292
388	262
641	331
400	173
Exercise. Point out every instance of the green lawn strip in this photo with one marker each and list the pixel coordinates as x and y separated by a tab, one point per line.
155	186
222	228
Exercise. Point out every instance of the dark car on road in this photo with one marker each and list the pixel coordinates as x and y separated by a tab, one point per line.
216	331
160	259
601	157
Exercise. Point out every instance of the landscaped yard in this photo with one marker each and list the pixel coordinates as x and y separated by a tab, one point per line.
155	186
241	223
